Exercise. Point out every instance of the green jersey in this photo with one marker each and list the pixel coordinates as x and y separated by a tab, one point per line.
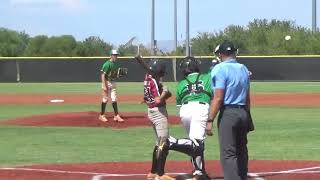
195	87
110	68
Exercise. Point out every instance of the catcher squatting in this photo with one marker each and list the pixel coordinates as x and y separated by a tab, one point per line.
193	97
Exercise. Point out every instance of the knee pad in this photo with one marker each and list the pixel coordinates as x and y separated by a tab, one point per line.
163	146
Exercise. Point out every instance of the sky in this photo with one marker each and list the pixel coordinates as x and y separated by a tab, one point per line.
116	21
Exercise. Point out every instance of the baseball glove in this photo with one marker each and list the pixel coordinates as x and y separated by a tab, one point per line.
122	72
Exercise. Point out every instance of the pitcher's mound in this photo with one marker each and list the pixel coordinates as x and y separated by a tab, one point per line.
86	119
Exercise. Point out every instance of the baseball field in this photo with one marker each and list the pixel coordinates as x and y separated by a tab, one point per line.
64	139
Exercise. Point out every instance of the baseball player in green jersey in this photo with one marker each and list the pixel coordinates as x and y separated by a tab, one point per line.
109	73
194	96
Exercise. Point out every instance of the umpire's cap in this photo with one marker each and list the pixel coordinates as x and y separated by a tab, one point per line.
226	48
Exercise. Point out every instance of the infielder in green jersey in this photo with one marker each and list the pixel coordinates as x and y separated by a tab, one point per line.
194	96
109	73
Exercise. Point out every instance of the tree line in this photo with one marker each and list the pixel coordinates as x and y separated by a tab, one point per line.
259	37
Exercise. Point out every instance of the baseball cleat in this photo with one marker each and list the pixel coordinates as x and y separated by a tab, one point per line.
164	177
103	118
151	176
201	177
118	118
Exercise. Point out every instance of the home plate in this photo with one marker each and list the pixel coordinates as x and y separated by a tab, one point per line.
57	100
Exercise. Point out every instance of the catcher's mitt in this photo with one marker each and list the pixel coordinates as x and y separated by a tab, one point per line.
122	72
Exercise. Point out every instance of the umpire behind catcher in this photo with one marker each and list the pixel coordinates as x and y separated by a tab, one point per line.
231	83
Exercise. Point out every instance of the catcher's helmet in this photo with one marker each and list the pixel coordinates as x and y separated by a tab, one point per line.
189	65
158	67
214	62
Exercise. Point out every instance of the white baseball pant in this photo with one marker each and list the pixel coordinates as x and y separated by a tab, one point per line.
112	92
194	116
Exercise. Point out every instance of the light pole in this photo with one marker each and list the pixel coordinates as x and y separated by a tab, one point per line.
153	42
175	26
187	30
314	15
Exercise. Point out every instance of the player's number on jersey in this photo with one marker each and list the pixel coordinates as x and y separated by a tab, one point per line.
147	95
196	88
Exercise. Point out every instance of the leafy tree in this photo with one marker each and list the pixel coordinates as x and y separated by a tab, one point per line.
93	46
203	44
59	46
144	50
35	45
12	43
130	50
259	37
238	35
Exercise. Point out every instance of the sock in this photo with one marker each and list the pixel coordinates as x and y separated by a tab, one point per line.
115	108
103	108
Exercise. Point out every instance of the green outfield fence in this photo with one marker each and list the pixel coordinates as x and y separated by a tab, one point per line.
87	69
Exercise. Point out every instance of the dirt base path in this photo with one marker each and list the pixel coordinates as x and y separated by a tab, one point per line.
291	100
85	119
258	170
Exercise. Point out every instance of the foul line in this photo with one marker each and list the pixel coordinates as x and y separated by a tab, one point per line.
99	175
255	176
53	171
78	172
293	171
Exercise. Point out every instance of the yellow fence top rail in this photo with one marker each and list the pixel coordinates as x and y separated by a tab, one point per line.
151	57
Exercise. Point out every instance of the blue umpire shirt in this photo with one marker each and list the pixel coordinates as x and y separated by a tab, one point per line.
233	77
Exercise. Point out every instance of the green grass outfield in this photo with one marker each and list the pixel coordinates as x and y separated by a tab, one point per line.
137	87
281	132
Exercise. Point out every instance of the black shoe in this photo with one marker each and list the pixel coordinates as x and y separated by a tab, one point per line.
201	177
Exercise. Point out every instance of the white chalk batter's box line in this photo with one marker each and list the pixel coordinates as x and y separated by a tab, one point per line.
99	176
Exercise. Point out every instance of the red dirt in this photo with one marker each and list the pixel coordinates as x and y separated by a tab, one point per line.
291	100
122	170
85	119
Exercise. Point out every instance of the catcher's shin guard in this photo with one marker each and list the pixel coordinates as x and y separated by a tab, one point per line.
198	158
162	153
192	147
181	145
198	164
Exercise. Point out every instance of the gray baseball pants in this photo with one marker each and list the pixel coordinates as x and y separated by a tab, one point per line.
233	124
159	118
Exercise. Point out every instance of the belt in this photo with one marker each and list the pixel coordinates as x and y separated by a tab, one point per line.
204	103
234	106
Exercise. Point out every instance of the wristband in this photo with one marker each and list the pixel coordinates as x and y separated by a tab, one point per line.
210	120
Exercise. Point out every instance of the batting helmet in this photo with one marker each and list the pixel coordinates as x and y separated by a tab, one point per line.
189	65
158	67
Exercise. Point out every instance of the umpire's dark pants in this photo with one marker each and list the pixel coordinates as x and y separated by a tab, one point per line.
233	128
